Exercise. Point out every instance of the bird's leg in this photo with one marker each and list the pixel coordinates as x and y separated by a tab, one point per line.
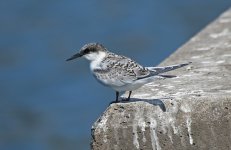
129	95
117	96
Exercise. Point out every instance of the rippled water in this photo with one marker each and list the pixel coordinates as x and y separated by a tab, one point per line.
47	103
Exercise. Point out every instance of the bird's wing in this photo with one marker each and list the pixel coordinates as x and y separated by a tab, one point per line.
159	70
120	70
132	68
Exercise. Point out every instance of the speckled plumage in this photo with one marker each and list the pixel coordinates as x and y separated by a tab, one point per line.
119	72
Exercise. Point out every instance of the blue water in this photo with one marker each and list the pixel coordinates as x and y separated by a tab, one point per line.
47	103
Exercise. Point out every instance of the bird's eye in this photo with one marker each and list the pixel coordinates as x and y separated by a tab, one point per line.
87	51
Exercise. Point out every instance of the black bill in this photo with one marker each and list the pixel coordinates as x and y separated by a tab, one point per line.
74	56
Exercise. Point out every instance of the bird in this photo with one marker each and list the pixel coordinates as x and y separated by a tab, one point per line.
120	72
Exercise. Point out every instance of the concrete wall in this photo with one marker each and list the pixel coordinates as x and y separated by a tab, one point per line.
197	102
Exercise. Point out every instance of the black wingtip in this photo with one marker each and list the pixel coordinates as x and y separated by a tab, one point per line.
167	76
185	64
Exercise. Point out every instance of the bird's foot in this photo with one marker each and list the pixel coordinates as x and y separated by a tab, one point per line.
113	102
125	99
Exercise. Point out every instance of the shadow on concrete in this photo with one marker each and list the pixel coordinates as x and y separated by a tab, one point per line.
156	102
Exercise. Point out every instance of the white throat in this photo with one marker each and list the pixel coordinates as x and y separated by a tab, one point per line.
95	59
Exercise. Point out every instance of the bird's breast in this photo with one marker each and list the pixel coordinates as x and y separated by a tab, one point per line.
97	62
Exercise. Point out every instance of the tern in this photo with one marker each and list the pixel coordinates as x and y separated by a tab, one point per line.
119	72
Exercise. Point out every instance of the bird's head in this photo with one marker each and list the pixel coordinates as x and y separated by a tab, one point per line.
90	51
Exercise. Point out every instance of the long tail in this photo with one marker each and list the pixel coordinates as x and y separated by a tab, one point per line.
159	70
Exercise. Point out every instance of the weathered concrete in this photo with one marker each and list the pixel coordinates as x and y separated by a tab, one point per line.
198	102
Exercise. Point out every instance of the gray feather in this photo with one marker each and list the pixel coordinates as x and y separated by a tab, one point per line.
159	70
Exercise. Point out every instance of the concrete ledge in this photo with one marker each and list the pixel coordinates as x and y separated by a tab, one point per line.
198	101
